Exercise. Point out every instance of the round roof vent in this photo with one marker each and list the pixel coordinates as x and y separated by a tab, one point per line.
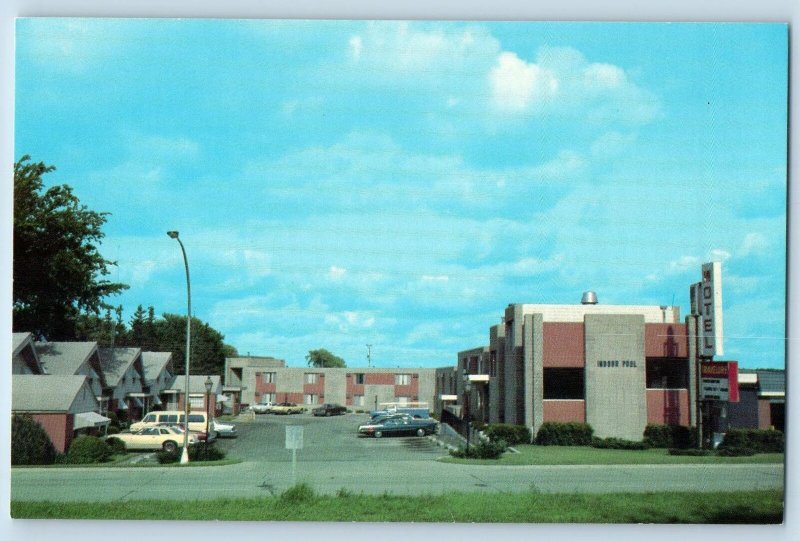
589	297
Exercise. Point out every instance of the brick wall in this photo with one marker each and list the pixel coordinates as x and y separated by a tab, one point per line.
668	407
564	411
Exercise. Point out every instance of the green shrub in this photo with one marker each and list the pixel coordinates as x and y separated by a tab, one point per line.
197	453
564	434
112	430
298	494
735	451
760	441
484	449
30	443
669	436
618	443
205	453
690	452
511	434
88	450
116	445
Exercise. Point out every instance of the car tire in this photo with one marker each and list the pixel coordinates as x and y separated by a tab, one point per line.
420	432
378	434
170	446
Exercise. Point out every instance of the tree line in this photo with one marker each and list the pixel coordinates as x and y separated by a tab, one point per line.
61	288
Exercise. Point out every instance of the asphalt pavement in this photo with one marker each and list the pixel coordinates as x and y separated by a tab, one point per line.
333	457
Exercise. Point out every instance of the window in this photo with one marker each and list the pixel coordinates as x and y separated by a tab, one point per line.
402	400
268	377
197	402
359	379
402	379
563	384
171	419
667	374
149	418
310	399
358	399
311	378
267	397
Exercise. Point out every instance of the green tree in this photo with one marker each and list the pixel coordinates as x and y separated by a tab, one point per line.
322	358
58	270
208	347
30	444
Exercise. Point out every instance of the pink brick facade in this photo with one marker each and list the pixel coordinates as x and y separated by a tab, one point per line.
59	426
668	407
564	411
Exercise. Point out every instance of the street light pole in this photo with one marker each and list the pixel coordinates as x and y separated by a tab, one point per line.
209	384
467	408
185	453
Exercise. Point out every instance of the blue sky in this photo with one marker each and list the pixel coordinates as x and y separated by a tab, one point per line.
398	184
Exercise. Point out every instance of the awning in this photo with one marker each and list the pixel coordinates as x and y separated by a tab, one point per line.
157	400
89	419
136	402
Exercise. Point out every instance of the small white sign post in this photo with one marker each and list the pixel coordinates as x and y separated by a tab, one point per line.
294	441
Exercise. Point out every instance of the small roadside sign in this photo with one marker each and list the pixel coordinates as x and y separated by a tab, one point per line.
294	437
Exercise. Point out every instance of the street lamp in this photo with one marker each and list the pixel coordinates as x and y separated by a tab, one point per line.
209	384
185	453
467	412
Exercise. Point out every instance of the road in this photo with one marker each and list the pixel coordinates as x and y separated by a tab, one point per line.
333	459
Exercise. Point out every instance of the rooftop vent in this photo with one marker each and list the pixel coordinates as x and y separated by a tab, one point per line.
589	297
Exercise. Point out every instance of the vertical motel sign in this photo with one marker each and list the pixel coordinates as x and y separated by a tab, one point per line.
706	297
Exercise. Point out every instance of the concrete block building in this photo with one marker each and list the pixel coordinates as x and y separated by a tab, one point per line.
616	367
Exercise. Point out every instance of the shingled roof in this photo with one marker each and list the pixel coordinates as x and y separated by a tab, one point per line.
45	393
117	361
197	384
64	358
154	362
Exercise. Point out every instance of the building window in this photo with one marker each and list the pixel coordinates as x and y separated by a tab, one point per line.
359	379
197	402
358	399
667	374
267	377
402	400
310	399
563	384
267	397
311	378
402	379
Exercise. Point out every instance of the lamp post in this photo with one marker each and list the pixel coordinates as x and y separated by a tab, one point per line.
185	453
209	384
467	412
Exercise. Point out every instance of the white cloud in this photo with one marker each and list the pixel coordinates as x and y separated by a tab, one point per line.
356	46
684	264
437	278
753	244
516	85
718	254
336	273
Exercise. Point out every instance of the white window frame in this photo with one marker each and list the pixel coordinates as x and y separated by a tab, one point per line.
311	378
402	379
310	399
268	377
358	399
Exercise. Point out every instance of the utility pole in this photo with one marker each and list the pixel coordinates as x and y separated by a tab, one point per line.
369	355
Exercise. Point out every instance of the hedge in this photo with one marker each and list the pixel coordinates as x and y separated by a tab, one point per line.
669	436
88	450
690	452
618	443
760	441
564	434
484	449
197	453
30	444
511	434
116	445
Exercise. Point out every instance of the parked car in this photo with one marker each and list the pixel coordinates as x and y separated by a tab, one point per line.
326	410
285	408
266	407
397	426
386	415
198	421
155	438
225	430
417	413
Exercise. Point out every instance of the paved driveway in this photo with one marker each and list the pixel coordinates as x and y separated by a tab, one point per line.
334	457
326	439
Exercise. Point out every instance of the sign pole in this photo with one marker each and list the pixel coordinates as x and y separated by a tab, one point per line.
294	467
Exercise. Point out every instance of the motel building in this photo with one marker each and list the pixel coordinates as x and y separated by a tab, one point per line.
616	367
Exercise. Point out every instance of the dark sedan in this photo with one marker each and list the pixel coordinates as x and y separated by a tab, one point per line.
326	410
398	426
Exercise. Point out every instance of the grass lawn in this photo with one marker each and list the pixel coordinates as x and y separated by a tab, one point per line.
554	455
301	504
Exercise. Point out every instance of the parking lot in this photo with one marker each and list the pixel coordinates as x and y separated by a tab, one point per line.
325	439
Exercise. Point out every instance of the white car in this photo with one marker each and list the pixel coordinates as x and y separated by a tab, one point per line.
155	438
266	407
225	430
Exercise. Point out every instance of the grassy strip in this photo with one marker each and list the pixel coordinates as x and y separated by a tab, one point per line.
120	461
530	455
301	504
